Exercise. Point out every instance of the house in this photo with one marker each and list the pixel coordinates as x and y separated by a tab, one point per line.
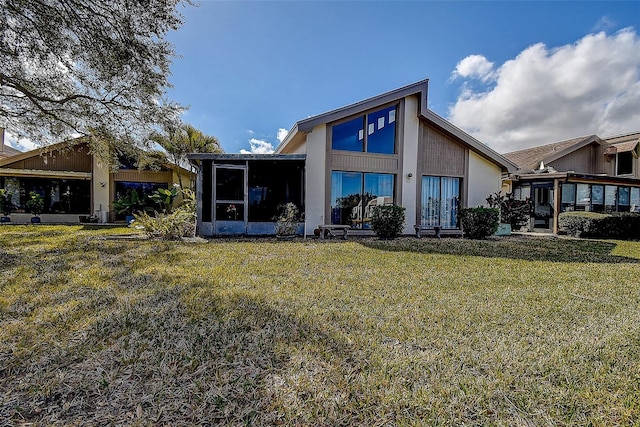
5	150
74	184
336	166
588	173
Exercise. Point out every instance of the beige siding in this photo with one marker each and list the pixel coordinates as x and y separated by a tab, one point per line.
604	164
440	154
580	161
74	159
364	162
135	175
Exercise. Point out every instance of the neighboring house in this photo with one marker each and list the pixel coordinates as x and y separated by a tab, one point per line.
73	183
5	150
589	173
338	165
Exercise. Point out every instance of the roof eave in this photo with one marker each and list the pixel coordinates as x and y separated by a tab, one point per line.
305	126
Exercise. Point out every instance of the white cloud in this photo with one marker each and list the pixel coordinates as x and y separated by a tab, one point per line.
22	144
604	24
282	134
474	66
549	94
258	146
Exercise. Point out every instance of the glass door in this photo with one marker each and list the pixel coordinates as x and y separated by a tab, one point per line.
230	199
542	204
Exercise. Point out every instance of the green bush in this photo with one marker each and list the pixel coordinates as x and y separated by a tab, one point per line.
478	223
172	225
512	211
623	225
35	204
387	221
287	219
6	203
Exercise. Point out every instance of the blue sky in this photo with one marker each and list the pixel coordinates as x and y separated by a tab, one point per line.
249	69
513	74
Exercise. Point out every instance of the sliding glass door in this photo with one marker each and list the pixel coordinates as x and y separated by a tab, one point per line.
440	201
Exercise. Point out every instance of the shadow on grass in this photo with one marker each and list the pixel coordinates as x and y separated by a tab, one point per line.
514	247
144	352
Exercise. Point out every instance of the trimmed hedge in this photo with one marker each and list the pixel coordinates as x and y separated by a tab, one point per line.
622	225
479	223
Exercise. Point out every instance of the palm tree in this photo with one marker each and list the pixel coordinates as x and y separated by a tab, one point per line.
182	140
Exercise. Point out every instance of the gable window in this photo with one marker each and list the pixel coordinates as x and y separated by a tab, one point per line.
370	133
354	195
624	163
440	201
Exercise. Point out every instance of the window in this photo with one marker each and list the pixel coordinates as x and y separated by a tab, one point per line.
597	198
355	194
583	197
440	201
600	198
610	198
271	184
522	193
568	197
623	199
378	136
624	163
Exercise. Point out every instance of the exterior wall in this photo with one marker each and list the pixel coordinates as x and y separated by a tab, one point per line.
101	190
484	179
579	161
74	159
439	154
316	178
25	218
604	164
408	178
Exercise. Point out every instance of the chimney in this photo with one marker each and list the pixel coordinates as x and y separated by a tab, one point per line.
1	140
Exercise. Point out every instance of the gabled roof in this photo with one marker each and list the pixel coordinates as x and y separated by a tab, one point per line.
419	89
530	158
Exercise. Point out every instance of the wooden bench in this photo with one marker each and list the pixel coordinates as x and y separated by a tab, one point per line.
327	228
420	228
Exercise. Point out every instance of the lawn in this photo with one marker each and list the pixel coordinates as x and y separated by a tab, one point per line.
96	330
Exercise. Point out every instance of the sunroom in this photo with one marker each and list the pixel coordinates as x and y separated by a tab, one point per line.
239	194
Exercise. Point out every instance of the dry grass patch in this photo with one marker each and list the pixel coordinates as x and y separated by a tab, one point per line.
516	331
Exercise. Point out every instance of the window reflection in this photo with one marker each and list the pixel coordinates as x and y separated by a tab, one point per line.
380	136
354	195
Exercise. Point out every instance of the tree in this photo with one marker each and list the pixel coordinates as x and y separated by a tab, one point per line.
78	67
182	140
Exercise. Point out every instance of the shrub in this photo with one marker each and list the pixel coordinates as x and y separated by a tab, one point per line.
287	219
579	224
6	204
387	221
164	197
512	211
478	223
172	225
623	225
35	204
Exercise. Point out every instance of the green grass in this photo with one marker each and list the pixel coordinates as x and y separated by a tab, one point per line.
515	331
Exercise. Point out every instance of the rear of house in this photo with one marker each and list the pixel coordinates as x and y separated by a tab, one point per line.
389	149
